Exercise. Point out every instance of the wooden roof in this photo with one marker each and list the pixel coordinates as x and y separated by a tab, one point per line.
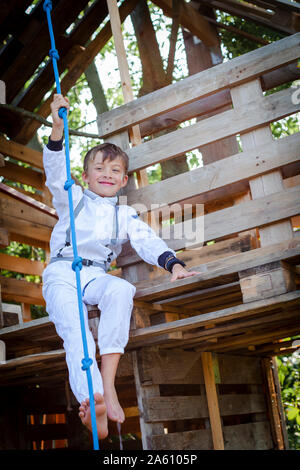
25	66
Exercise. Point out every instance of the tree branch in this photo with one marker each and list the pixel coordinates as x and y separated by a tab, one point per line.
37	117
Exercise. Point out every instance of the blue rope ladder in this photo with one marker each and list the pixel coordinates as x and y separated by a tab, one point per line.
77	261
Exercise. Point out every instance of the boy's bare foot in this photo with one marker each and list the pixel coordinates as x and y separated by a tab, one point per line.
114	410
101	416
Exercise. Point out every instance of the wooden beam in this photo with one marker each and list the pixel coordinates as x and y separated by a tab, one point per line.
252	309
21	265
190	19
226	124
214	102
212	401
218	78
205	181
273	403
267	184
21	152
247	12
233	220
12	207
16	290
20	174
76	69
220	268
134	132
28	200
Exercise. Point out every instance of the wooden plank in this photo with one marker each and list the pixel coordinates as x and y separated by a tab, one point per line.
77	68
241	403
159	409
18	173
190	19
232	220
273	403
30	232
205	180
21	265
251	339
187	440
21	152
222	267
2	92
212	401
166	370
268	184
32	359
219	316
231	122
4	237
28	200
217	334
248	436
143	394
20	213
134	132
17	290
239	369
214	102
220	77
252	14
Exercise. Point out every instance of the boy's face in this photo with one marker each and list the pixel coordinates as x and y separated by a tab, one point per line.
105	178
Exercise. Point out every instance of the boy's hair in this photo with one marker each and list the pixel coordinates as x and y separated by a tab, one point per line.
108	150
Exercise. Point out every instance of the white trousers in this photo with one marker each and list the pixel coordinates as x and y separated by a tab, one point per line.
114	297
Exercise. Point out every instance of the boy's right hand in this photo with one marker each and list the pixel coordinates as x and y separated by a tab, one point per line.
58	123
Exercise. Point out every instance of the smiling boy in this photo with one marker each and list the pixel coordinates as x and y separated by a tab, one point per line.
101	228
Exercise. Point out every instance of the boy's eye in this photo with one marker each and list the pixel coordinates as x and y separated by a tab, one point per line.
116	170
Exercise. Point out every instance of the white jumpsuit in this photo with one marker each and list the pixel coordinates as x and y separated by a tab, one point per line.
114	296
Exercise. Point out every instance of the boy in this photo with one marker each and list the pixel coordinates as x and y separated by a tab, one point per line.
97	216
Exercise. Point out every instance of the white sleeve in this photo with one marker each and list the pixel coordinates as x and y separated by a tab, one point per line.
144	239
56	175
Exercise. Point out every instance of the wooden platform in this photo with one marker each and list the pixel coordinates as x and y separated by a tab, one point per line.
189	313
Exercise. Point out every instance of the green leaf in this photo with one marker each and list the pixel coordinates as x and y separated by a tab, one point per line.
292	413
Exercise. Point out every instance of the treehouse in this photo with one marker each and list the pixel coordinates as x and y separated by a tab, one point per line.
199	371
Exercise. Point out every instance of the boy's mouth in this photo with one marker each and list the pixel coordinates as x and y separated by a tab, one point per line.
106	183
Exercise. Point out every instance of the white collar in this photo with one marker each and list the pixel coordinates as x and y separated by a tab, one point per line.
111	200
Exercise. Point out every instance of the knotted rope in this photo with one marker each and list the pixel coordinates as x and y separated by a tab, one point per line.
77	262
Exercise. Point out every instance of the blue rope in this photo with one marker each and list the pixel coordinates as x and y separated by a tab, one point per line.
77	262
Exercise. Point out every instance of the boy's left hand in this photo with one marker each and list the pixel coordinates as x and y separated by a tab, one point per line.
179	272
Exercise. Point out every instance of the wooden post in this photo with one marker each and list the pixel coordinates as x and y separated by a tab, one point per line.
212	400
143	392
26	312
262	284
2	92
115	21
274	404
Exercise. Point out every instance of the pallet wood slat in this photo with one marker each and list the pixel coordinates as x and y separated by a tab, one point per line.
21	265
29	176
249	436
231	122
18	290
252	308
82	61
205	83
212	401
28	200
192	407
231	220
21	152
201	181
228	265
